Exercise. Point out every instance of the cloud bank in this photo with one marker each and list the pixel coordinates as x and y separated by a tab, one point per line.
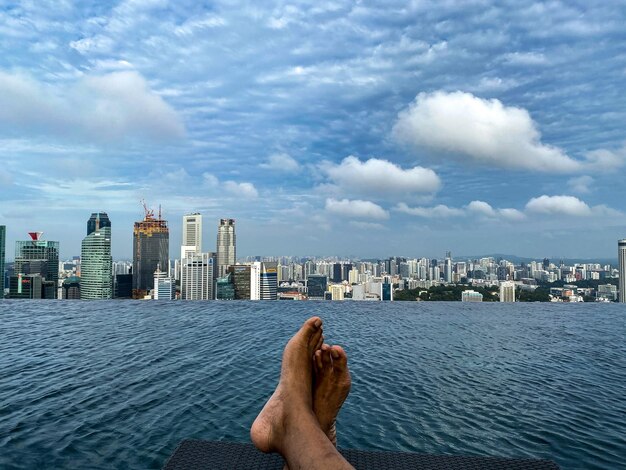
380	178
356	208
109	107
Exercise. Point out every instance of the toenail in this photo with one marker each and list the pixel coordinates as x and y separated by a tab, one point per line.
318	323
335	354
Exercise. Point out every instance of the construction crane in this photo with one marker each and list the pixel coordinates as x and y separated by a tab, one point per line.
149	214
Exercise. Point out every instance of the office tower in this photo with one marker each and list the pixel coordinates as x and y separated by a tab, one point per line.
39	257
387	291
268	279
123	286
196	280
101	219
192	231
26	286
96	263
621	256
151	238
337	272
164	286
242	279
71	288
224	288
447	275
3	238
353	276
226	246
316	286
507	291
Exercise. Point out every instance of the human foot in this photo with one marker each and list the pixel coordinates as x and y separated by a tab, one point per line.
331	387
292	399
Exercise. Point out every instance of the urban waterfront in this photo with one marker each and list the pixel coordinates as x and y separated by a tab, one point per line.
117	384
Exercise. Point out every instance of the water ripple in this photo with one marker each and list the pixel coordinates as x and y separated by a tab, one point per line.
119	384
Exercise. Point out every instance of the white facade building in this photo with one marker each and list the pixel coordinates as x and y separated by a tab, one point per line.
192	231
196	280
507	291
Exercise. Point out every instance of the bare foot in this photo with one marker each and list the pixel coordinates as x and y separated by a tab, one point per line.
331	387
293	397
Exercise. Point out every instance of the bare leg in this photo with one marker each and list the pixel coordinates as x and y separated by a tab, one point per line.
287	424
331	387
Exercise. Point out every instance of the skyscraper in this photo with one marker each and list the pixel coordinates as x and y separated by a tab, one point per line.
39	257
151	239
3	238
196	280
192	231
99	218
621	256
96	264
268	280
226	246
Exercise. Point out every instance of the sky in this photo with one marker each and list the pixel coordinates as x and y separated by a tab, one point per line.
343	128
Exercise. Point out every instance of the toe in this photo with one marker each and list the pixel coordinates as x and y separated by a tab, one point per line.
340	358
326	351
317	358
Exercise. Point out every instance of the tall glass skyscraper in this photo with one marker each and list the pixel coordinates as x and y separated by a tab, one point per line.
96	263
151	248
41	257
226	246
101	218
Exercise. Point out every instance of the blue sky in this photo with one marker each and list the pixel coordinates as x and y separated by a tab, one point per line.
325	128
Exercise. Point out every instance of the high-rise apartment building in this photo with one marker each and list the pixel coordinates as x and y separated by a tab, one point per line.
151	248
101	219
507	291
192	231
96	263
39	257
3	239
226	246
621	256
196	280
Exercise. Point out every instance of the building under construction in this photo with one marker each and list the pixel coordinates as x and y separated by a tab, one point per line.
151	249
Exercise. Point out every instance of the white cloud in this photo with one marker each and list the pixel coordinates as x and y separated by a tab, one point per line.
552	205
580	184
245	190
367	225
485	131
210	180
602	159
512	214
281	162
356	208
380	178
109	107
439	211
481	207
525	58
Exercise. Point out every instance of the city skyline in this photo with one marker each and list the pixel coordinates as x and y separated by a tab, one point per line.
326	128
